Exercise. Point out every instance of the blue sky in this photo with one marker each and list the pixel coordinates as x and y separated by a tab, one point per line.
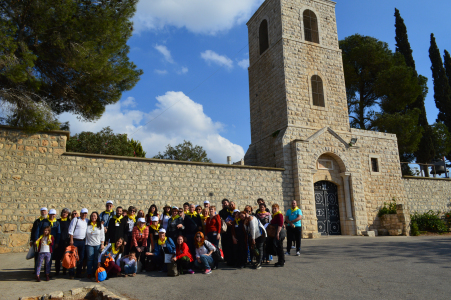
194	56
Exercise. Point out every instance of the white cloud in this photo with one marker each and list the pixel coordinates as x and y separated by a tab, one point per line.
244	63
199	16
184	120
161	72
166	53
184	70
213	57
129	102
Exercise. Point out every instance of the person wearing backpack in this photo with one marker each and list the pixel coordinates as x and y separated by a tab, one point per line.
256	236
110	258
64	240
213	227
77	236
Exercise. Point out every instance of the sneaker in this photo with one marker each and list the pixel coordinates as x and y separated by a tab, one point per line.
293	247
190	271
257	266
207	271
287	253
298	253
38	279
278	265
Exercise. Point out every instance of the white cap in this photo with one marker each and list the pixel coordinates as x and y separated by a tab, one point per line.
162	230
142	220
206	202
109	202
44	208
236	210
52	212
154	219
84	211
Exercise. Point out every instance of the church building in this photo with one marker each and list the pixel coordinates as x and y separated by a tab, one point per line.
340	176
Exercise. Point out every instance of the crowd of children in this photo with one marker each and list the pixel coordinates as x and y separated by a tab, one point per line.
175	240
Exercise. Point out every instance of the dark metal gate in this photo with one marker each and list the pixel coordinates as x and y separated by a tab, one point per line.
326	200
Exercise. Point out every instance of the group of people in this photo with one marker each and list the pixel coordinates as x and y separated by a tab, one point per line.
186	238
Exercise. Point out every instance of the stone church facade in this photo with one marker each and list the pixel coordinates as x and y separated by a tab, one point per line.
299	121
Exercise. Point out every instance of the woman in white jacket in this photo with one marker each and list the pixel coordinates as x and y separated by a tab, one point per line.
257	236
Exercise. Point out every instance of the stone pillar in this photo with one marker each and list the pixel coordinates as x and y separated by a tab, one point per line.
347	195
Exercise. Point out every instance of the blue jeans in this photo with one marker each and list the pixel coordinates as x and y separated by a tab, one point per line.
81	253
205	262
92	255
130	269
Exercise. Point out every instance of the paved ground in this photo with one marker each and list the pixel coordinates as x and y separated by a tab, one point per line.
337	267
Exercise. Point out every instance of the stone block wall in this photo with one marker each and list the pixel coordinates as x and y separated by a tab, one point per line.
37	171
424	194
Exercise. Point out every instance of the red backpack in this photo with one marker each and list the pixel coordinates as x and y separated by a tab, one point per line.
70	257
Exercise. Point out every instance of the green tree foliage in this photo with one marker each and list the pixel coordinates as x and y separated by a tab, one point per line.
185	152
447	59
442	89
64	56
380	88
137	148
441	138
104	142
425	152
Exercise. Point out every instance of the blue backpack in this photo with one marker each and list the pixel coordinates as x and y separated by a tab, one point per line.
100	274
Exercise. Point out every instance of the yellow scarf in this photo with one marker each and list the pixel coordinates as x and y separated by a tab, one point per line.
108	212
63	219
155	228
94	225
113	249
276	214
132	218
162	242
230	212
42	218
49	240
150	214
51	222
295	209
175	218
117	220
141	230
203	218
193	214
237	221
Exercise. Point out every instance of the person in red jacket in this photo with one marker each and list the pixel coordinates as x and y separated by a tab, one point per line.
213	227
44	245
140	234
183	257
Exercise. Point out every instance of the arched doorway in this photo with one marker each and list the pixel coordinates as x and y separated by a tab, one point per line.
327	211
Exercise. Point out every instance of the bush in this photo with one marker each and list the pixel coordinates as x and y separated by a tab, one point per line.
448	219
414	231
388	208
429	221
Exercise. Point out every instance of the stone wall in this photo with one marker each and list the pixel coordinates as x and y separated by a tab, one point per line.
424	194
37	171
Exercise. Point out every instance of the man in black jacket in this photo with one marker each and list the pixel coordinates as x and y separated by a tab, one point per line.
193	224
117	227
44	216
226	238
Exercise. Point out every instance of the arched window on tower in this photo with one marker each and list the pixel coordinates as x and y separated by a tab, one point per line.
317	91
263	36
311	26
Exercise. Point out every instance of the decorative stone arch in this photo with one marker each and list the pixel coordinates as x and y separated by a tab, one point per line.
318	19
325	89
339	156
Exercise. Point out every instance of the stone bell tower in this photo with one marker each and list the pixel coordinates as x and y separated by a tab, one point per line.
296	73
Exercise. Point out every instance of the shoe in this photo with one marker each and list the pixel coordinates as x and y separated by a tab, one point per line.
293	247
214	268
71	277
257	266
190	271
38	279
64	272
47	277
287	253
279	265
79	276
298	253
207	271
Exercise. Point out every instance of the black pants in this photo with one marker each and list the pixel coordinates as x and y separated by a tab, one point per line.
280	253
213	238
294	235
259	245
190	243
140	256
240	252
183	264
227	246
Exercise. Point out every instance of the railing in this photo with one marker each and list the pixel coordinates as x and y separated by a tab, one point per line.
436	170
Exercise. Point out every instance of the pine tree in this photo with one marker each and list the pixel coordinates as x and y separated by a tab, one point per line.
447	59
442	89
425	152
